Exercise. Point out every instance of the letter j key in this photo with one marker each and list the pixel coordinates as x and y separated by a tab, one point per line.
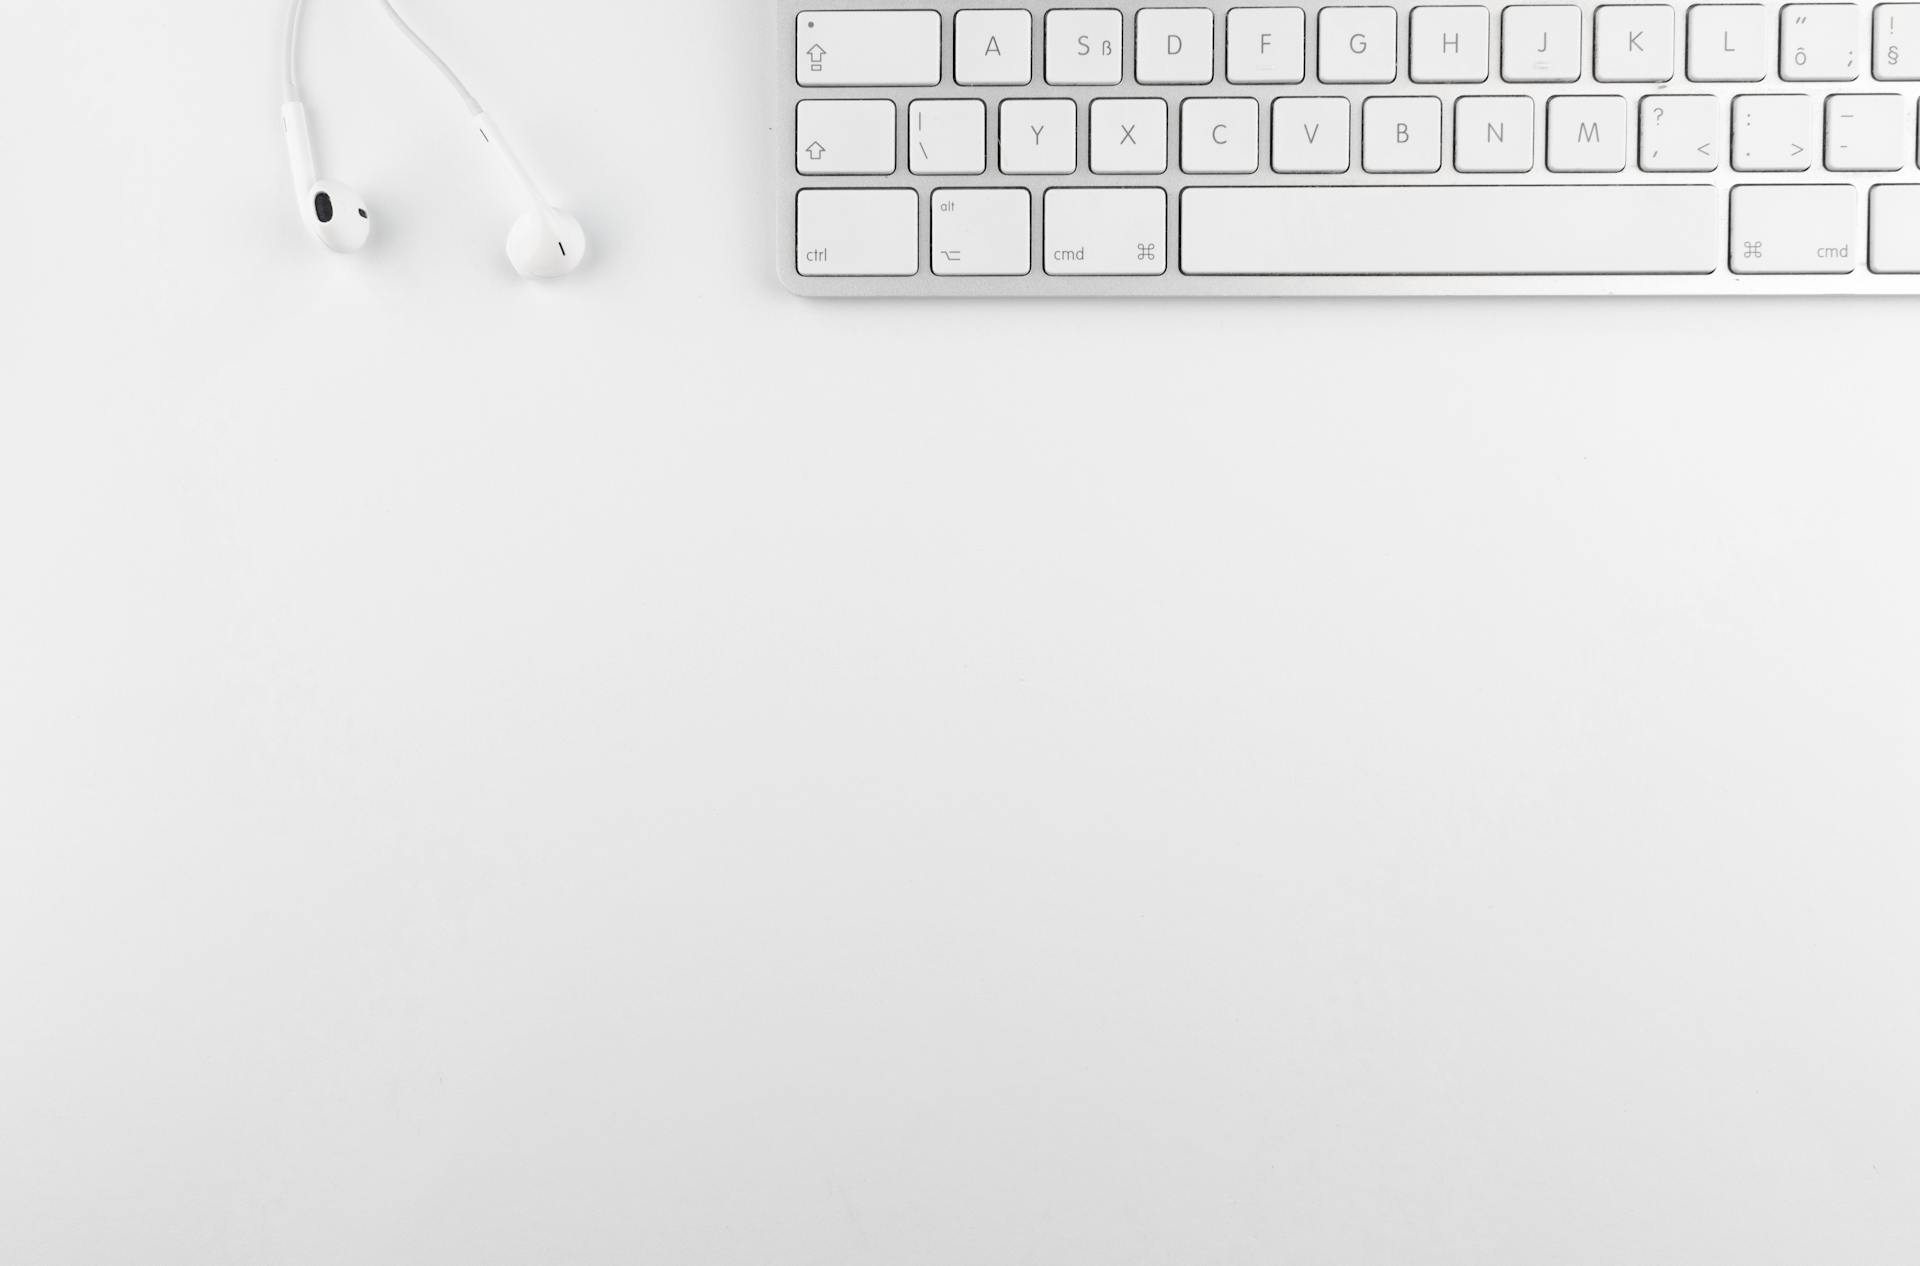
1540	43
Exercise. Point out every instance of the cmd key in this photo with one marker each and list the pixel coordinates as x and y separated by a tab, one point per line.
1794	228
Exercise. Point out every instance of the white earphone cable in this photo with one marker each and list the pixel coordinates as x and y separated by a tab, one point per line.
293	49
545	242
427	50
295	9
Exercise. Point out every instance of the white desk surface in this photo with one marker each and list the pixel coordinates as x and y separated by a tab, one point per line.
649	770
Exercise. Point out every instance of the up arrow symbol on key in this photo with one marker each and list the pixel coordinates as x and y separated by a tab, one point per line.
816	151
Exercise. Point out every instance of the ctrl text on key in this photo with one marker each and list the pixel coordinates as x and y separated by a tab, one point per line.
858	233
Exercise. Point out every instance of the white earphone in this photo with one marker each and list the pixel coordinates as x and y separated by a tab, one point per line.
333	213
545	242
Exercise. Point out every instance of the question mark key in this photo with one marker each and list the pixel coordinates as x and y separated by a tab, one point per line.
1681	133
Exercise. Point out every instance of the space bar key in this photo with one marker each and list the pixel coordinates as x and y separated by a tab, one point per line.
1451	230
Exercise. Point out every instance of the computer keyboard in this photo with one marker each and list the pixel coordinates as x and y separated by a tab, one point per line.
1088	148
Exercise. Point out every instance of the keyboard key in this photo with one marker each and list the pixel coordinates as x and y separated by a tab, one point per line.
1793	228
1220	136
858	233
1266	46
1106	232
1312	135
1893	219
1449	44
1400	135
1681	133
874	48
1039	138
947	138
1895	56
1540	44
1819	42
1587	134
1727	43
1633	43
1084	47
846	138
1867	132
1451	230
1493	134
993	48
1129	136
1174	46
1772	133
1359	46
982	232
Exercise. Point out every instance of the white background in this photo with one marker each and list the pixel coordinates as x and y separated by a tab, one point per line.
650	770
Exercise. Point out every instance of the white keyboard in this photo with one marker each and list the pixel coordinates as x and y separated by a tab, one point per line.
1089	148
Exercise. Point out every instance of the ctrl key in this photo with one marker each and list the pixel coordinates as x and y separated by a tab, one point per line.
1794	229
858	233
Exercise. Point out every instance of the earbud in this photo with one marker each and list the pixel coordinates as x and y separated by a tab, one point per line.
333	213
546	242
336	215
